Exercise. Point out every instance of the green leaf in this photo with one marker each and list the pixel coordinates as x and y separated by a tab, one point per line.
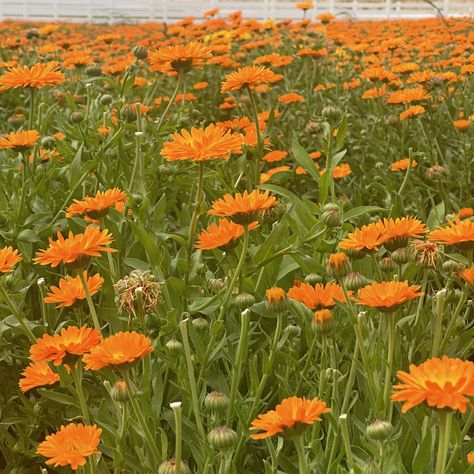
358	211
58	397
75	168
304	160
149	243
423	455
436	216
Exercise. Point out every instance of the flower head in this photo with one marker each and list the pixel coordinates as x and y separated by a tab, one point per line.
37	374
440	383
222	234
75	249
403	164
70	343
19	141
120	350
39	75
289	417
468	276
276	299
412	111
71	290
199	144
8	259
97	206
249	76
317	296
398	231
71	445
458	232
180	58
367	238
388	295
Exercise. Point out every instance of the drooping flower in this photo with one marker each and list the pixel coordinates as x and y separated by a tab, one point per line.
289	417
71	445
96	206
458	232
19	141
120	350
70	343
440	383
387	296
76	249
37	374
366	238
8	259
199	144
317	296
71	290
39	75
249	76
222	234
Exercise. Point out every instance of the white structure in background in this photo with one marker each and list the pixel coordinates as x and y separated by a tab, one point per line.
171	10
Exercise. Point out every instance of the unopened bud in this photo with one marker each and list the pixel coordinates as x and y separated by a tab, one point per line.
379	430
222	438
217	402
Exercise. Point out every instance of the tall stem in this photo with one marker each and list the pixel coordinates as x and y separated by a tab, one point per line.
76	375
170	103
259	137
443	441
176	407
32	108
95	318
351	378
389	368
440	297
299	445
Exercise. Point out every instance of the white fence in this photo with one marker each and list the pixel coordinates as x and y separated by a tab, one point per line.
171	10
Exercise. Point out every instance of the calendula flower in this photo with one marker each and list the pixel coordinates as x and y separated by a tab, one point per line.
367	238
408	96
317	296
468	275
322	317
96	206
120	350
325	18
465	212
199	144
75	250
458	232
412	111
37	374
249	76
387	296
71	445
39	75
304	5
69	344
289	417
243	208
222	234
276	299
402	165
275	155
461	125
290	98
440	383
338	265
398	231
470	457
8	259
180	58
19	141
71	290
425	253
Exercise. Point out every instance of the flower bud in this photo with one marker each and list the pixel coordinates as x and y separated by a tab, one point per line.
401	256
379	430
276	300
77	117
355	281
200	323
392	120
119	392
32	33
292	330
169	467
94	70
332	218
312	127
174	346
216	402
216	284
451	266
106	99
386	265
222	438
140	52
167	169
48	142
338	265
313	278
128	113
332	113
323	322
244	301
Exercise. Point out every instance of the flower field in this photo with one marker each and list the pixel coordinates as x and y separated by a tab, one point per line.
231	246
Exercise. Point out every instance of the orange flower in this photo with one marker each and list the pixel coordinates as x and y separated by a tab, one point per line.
39	75
202	144
387	296
368	237
75	249
37	374
249	76
243	208
180	57
465	212
325	18
72	342
222	234
341	171
275	155
264	177
402	165
470	457
290	98
97	206
19	141
293	412
317	296
200	85
304	5
322	317
8	259
71	445
408	96
398	231
440	383
276	299
412	112
457	232
468	275
338	265
461	125
120	350
71	290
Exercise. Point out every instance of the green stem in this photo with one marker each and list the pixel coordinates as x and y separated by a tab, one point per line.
440	297
443	441
457	446
259	137
299	445
17	313
170	103
389	368
346	440
351	378
309	359
118	458
176	407
76	375
95	318
32	108
141	418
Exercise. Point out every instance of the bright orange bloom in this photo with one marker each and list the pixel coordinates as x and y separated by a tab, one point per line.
75	248
402	165
457	232
70	342
325	18
368	237
97	206
398	231
290	98
243	208
304	5
322	316
470	457
37	374
200	85
290	412
120	350
468	275
71	290
180	57
249	76
221	234
19	141
8	259
39	75
408	96
317	296
412	111
275	155
341	171
440	383
465	212
461	125
388	295
210	143
71	445
264	177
